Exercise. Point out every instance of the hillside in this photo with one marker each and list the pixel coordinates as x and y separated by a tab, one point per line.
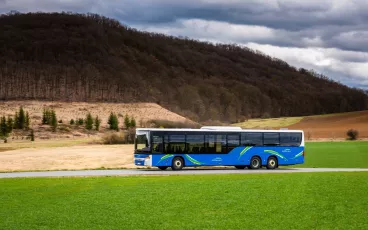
90	58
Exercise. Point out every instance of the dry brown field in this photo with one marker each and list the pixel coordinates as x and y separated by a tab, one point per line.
333	126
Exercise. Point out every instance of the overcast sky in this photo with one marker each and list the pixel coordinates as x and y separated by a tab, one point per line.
329	36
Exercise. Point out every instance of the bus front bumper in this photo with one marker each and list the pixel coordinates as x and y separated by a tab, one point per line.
147	161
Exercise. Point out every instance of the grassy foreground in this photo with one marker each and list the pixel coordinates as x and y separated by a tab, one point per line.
347	154
277	201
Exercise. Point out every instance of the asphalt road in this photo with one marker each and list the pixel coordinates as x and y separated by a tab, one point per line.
137	172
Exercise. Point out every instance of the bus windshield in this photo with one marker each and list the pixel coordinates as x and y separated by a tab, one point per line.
141	143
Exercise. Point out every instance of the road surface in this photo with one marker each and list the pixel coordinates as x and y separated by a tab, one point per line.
136	172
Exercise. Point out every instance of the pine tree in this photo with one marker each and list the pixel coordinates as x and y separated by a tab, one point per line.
27	121
80	121
22	118
3	127
97	123
16	121
113	122
54	122
32	135
44	117
110	120
127	121
72	122
10	124
133	124
49	116
89	122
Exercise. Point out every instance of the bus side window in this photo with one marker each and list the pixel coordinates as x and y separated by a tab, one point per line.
232	141
271	139
195	143
251	139
210	144
290	139
177	143
157	144
221	144
166	144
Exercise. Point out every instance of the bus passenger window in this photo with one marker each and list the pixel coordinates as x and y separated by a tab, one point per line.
210	144
221	144
157	144
251	139
290	139
177	144
195	143
232	142
166	144
271	139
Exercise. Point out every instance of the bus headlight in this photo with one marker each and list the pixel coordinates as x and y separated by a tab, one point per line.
148	161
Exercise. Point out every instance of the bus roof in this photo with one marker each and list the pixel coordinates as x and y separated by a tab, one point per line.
218	129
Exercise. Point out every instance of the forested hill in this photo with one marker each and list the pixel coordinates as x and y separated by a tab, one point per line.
73	57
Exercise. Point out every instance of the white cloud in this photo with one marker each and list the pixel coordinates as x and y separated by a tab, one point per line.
322	60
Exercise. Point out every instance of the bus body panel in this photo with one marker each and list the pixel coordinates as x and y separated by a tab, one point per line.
237	156
241	155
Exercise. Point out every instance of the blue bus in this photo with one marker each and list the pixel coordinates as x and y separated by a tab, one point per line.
218	146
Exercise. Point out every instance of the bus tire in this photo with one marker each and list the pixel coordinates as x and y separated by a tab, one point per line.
162	167
255	163
177	164
272	163
240	166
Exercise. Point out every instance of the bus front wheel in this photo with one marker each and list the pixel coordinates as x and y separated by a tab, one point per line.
177	163
162	167
255	163
271	163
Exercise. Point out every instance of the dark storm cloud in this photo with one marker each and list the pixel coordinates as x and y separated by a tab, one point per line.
329	20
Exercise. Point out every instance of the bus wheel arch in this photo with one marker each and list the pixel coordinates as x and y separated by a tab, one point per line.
177	163
255	162
272	162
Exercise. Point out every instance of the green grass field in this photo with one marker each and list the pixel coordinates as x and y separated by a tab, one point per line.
347	154
277	201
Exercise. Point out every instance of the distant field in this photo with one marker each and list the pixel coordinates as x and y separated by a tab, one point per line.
269	123
348	154
71	156
328	126
293	201
39	144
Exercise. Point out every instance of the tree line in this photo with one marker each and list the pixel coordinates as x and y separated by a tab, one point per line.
87	57
21	121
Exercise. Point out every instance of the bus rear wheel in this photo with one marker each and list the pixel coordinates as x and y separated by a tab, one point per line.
162	167
255	163
177	163
271	163
240	166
